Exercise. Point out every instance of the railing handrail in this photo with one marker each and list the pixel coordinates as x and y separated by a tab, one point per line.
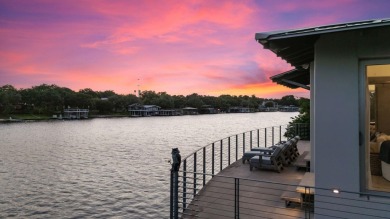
288	184
227	138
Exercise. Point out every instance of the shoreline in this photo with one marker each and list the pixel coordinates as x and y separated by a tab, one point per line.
34	118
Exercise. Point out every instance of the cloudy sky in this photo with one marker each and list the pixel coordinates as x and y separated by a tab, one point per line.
180	47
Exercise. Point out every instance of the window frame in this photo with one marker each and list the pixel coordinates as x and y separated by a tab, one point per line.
364	121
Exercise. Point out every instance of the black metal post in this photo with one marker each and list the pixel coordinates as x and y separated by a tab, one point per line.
243	143
273	143
184	184
265	137
236	147
280	133
258	137
195	164
174	199
171	197
251	140
204	166
229	151
212	160
220	157
236	198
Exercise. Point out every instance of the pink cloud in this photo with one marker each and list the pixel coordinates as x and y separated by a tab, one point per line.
181	47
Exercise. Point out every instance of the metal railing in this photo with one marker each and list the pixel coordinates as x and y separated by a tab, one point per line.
213	158
198	192
230	197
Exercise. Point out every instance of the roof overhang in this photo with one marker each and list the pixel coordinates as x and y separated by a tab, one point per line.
294	78
297	47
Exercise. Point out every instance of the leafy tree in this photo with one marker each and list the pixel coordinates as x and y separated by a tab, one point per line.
9	96
300	125
104	106
269	104
106	94
288	100
90	92
194	100
179	101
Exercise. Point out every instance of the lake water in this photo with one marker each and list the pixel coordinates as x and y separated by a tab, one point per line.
104	168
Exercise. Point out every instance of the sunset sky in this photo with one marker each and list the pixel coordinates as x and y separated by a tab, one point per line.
180	47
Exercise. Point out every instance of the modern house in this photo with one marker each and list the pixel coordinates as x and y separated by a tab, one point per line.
137	109
346	67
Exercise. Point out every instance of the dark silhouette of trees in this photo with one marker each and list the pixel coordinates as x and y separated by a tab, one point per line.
52	99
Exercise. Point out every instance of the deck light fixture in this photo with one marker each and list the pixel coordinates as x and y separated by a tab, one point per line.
336	191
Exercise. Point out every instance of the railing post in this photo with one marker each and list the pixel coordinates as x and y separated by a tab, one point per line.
174	199
273	136
236	198
280	133
195	164
221	157
229	151
204	166
236	147
243	143
265	137
251	140
184	184
258	137
212	160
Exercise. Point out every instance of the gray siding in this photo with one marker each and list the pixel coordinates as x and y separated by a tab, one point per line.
336	111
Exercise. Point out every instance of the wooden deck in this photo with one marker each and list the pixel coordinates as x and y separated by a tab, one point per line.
257	199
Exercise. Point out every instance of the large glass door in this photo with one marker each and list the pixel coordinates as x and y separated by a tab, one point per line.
376	124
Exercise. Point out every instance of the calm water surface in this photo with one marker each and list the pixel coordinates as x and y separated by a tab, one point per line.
103	168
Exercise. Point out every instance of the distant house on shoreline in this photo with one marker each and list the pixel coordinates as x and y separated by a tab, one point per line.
75	113
190	111
208	109
239	109
138	109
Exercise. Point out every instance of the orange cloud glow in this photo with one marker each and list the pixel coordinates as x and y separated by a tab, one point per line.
180	47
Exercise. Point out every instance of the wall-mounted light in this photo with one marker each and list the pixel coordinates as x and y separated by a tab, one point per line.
335	191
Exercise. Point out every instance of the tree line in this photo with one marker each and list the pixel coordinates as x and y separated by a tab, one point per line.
51	99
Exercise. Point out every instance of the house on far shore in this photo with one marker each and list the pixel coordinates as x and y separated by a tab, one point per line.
288	108
169	112
75	113
190	111
137	110
268	106
239	109
208	109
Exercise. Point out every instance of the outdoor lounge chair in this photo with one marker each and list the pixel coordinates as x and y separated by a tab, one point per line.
249	154
272	161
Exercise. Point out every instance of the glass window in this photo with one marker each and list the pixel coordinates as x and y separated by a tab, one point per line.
377	126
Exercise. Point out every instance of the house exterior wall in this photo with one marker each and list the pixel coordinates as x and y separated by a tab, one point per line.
336	109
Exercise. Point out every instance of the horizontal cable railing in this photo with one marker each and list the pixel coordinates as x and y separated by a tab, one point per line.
199	191
213	158
230	197
197	169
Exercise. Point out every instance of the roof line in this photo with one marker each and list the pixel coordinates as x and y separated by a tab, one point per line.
265	36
